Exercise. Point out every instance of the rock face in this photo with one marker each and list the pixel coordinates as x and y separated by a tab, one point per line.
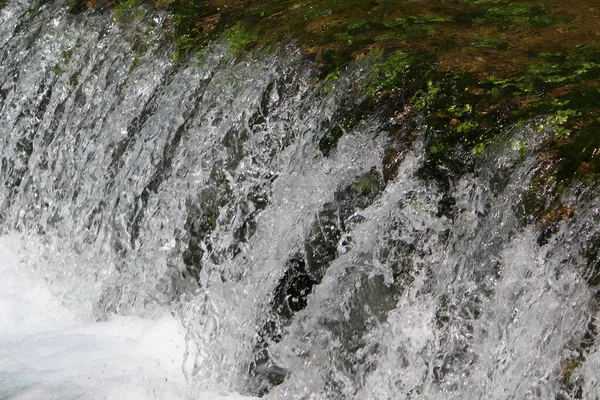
329	235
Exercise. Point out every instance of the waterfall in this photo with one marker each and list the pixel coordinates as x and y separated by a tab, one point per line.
198	209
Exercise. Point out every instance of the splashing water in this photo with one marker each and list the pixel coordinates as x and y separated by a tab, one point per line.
179	230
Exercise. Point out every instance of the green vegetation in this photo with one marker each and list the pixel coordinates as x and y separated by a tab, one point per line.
491	43
393	71
128	10
65	59
510	14
240	38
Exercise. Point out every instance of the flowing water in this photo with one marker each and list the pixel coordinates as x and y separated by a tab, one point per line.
176	230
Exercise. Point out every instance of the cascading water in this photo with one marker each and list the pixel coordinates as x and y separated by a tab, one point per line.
180	228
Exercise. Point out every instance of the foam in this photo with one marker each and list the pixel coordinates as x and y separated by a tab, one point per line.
46	352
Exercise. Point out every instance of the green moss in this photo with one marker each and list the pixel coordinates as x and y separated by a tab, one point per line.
188	17
519	146
560	120
240	38
501	88
402	28
477	2
464	113
536	14
579	66
124	9
184	44
65	59
480	147
453	113
74	79
437	146
391	71
57	70
66	55
533	201
466	126
364	185
424	99
492	43
315	9
461	109
579	154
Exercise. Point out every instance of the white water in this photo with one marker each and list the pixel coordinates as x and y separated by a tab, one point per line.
155	214
48	352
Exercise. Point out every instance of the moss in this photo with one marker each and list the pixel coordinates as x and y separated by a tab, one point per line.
57	70
65	59
392	71
479	147
466	126
338	32
501	88
532	203
193	21
478	2
124	9
578	66
363	186
536	14
74	79
66	55
492	43
402	28
464	113
519	146
437	146
240	38
424	99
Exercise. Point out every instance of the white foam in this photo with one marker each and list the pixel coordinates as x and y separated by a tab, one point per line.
26	303
46	352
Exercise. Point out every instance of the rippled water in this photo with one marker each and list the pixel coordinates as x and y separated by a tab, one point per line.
185	213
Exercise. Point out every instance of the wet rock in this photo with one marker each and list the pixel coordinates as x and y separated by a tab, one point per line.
306	269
